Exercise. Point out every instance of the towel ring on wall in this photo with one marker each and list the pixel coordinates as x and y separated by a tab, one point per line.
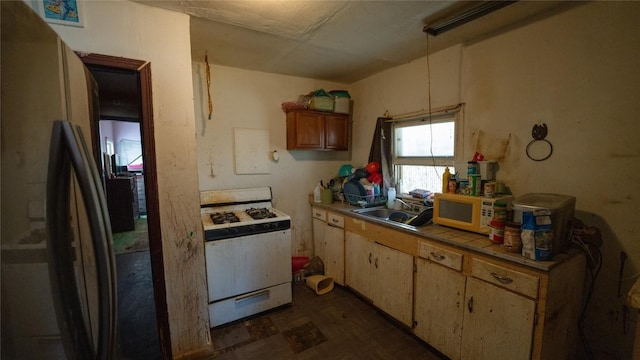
539	146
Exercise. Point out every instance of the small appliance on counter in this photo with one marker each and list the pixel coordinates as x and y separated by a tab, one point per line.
561	207
466	212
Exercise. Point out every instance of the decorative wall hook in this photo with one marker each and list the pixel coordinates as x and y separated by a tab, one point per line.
539	149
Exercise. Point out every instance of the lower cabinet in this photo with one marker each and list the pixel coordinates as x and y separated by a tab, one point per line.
439	306
498	324
328	242
466	305
382	274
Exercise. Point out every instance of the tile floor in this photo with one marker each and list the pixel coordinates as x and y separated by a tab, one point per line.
137	327
337	325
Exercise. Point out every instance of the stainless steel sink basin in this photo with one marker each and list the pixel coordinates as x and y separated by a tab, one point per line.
385	214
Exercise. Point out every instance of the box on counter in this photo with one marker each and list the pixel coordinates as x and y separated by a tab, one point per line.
537	234
420	193
561	208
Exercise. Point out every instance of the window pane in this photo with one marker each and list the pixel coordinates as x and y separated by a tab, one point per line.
420	177
425	140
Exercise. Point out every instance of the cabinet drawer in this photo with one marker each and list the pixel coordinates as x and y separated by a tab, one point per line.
319	214
448	258
335	220
519	282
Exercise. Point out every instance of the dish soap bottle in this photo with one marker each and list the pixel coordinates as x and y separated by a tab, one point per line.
391	197
316	194
445	180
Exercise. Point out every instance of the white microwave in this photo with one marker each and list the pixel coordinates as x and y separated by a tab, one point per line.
466	212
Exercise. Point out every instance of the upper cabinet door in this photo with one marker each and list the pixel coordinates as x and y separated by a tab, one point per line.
336	132
315	130
305	131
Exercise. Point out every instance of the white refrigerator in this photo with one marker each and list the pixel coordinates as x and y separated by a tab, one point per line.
58	291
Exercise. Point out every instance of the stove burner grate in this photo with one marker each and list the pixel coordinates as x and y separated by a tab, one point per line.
260	213
224	218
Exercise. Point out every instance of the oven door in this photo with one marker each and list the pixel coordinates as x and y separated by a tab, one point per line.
240	265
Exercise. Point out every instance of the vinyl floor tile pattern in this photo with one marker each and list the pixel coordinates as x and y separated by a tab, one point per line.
337	325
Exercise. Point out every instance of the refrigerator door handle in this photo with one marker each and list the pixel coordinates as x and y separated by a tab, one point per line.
68	149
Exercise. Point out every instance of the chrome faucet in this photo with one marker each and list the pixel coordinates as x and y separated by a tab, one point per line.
409	207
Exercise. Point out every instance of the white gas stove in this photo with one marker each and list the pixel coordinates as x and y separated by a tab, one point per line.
248	253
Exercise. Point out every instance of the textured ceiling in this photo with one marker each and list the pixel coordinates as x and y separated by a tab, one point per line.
342	41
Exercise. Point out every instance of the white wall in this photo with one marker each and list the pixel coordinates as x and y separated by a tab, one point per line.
578	72
131	30
250	99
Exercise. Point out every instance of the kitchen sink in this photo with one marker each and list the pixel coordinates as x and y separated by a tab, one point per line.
401	218
386	214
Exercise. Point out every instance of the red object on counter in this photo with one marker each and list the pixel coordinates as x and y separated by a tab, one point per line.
373	167
375	178
298	262
478	156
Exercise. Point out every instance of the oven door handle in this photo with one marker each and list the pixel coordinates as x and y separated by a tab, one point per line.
253	295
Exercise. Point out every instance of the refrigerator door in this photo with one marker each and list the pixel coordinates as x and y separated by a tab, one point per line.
44	81
68	148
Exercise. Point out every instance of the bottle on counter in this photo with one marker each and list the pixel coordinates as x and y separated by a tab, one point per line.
391	197
473	168
445	180
316	194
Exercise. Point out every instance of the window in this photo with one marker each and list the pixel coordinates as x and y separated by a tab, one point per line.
423	147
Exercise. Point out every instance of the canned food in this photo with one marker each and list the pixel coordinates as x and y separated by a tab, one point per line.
496	231
476	185
453	185
499	211
512	240
489	189
473	168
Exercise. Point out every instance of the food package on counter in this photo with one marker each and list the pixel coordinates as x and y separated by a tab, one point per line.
537	234
420	193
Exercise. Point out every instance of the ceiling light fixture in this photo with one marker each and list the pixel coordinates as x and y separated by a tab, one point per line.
482	9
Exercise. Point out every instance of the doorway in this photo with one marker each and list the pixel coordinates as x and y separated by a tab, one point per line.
125	99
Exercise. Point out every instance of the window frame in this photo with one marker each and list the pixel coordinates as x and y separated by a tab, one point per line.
453	113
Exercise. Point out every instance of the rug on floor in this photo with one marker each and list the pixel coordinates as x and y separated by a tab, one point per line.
234	336
304	336
132	241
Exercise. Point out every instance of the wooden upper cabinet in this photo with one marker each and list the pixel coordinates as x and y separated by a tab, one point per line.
316	130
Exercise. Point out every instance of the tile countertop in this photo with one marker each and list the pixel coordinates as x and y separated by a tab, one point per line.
463	239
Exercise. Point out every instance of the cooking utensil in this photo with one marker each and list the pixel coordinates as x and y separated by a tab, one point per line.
422	218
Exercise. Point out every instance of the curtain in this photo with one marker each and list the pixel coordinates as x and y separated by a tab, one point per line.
381	151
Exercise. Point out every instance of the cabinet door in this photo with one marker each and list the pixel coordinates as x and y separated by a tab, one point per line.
392	283
439	307
305	130
334	253
359	255
319	229
498	324
336	132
